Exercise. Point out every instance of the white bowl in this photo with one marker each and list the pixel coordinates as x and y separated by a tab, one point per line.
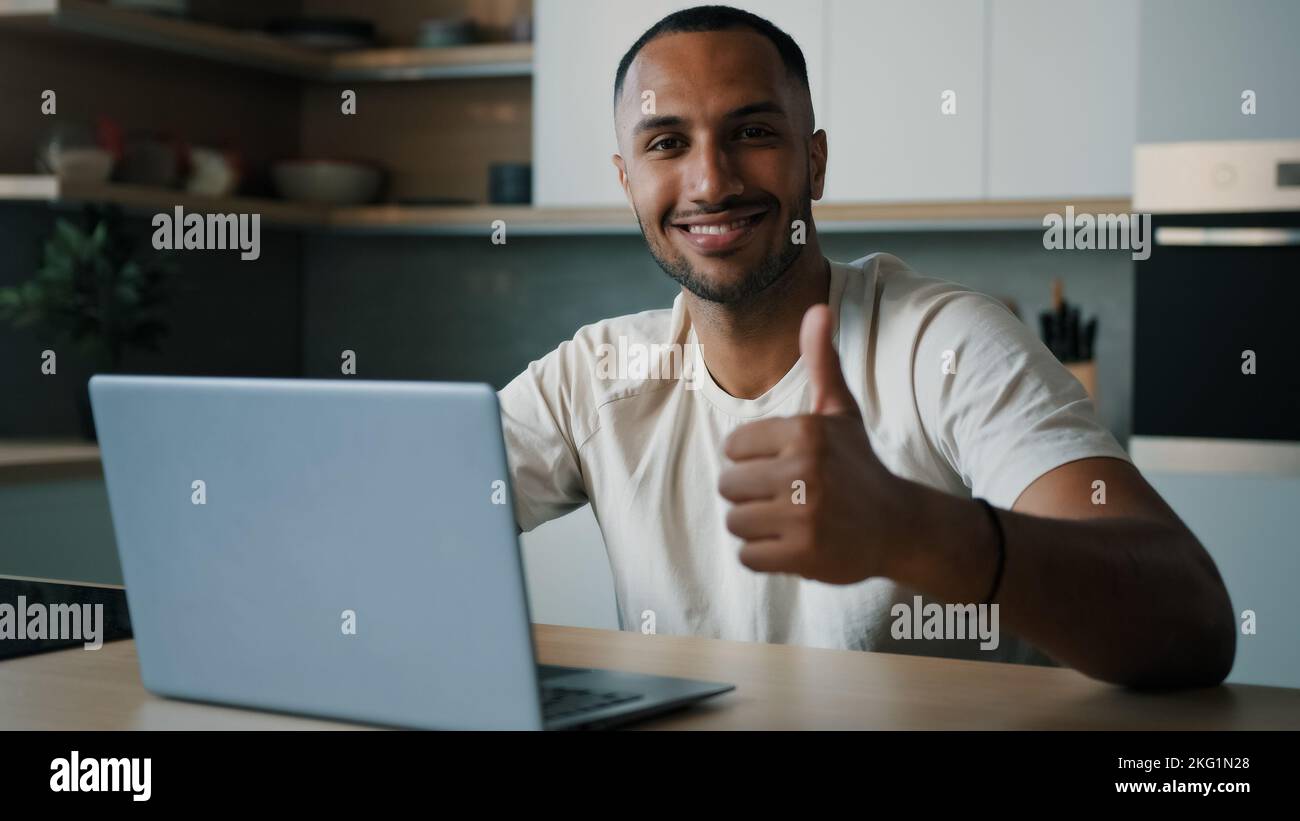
82	166
213	172
326	182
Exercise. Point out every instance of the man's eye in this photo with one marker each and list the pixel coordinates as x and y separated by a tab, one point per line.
666	144
754	132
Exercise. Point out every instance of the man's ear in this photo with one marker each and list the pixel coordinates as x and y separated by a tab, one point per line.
622	176
817	163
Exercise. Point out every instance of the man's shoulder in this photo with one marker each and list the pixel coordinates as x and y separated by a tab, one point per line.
905	303
614	359
646	327
898	284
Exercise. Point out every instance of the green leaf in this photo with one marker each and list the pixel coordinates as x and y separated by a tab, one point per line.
92	288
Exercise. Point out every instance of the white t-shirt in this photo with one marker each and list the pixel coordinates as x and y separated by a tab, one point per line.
645	450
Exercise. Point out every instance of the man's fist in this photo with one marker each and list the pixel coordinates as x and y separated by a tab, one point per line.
810	496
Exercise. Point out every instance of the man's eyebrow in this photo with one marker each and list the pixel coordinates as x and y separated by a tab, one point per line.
656	123
674	121
765	107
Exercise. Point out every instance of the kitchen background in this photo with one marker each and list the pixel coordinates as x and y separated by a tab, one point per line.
1052	98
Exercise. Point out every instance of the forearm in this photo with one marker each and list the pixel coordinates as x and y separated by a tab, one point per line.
1126	600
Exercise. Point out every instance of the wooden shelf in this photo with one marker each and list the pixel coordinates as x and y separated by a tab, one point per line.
837	218
261	51
469	220
28	187
484	60
28	460
970	215
149	199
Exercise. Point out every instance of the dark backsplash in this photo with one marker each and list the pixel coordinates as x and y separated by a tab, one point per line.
460	308
226	316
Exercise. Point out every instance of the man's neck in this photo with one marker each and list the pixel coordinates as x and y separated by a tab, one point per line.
748	348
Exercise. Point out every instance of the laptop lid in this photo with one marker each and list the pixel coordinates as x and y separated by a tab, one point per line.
334	548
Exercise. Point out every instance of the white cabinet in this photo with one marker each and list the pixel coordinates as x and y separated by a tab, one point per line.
1062	98
578	46
1247	524
1045	95
889	66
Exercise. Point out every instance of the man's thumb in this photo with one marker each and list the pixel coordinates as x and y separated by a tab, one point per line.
830	392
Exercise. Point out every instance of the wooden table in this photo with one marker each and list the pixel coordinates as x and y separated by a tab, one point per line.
777	687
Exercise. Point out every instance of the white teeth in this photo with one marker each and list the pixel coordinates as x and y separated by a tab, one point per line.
719	229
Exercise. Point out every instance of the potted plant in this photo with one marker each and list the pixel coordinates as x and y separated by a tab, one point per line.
95	293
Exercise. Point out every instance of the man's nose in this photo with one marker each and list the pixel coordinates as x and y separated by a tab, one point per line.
713	175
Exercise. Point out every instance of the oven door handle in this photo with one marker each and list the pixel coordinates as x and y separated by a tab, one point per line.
1227	237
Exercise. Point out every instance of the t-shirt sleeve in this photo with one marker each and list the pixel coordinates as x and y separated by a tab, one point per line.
995	403
537	419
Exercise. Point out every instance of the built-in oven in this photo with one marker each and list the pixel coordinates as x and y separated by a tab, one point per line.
1216	393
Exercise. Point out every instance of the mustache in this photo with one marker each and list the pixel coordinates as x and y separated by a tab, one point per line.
767	202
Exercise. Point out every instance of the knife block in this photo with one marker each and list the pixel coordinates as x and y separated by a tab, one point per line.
1086	373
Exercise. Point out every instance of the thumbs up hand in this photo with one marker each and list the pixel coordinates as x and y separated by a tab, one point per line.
831	396
810	497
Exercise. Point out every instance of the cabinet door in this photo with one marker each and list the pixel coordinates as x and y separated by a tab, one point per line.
578	46
1247	524
1063	98
1196	59
890	65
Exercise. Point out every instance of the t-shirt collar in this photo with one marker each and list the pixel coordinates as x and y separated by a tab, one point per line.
793	380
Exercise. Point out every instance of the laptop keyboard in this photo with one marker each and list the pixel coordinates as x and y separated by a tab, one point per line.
562	702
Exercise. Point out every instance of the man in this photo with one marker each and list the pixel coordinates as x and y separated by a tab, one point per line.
845	414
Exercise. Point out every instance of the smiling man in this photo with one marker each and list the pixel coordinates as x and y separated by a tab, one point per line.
857	434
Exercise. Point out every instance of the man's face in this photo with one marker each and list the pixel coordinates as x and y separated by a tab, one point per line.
723	164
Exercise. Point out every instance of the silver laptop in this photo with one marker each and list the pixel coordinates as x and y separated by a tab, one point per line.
337	548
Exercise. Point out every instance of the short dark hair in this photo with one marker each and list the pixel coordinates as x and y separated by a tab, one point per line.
716	18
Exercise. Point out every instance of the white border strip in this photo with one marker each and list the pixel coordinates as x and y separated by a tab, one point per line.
1185	454
68	582
1227	237
28	187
